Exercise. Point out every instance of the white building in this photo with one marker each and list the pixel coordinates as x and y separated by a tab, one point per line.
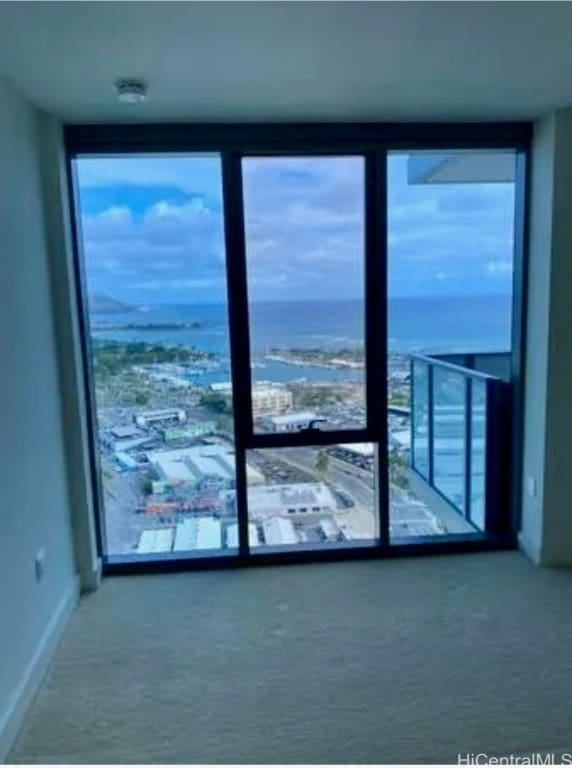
191	465
120	446
168	414
279	530
155	540
267	397
270	398
292	422
365	450
329	528
198	533
266	501
232	535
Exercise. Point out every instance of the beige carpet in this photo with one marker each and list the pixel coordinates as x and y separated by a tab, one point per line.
387	661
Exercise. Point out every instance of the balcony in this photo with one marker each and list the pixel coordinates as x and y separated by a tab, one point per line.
460	440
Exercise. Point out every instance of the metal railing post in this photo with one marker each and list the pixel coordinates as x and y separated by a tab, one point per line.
468	446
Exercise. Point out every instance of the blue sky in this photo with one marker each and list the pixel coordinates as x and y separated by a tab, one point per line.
153	230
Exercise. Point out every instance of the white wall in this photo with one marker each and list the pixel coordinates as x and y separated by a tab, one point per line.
539	264
547	514
55	196
34	505
557	538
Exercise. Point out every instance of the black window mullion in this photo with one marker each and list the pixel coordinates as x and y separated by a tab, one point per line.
431	424
233	207
518	334
88	377
376	324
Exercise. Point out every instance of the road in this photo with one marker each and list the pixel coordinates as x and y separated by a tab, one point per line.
122	526
341	474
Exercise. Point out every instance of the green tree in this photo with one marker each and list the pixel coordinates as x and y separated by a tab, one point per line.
147	486
216	402
141	398
322	462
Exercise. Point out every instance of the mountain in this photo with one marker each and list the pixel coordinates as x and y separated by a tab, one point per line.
99	303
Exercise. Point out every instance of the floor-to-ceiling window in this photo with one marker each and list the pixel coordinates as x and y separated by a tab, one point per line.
156	299
292	348
305	244
451	268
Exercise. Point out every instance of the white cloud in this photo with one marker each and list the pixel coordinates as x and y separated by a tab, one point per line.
499	267
304	226
189	173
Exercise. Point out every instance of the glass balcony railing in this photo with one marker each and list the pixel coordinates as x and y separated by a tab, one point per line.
460	437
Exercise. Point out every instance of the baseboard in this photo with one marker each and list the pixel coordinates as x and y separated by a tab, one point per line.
11	722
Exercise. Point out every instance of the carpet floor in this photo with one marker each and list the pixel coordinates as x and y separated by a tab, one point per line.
406	660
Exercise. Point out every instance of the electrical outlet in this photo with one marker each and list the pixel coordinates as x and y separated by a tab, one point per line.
40	564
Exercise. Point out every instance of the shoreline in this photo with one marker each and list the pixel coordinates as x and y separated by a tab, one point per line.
333	363
175	326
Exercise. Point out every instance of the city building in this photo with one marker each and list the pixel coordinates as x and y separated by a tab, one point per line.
267	397
292	422
155	541
290	500
125	460
147	418
232	535
124	432
278	531
191	465
270	399
122	446
198	533
189	432
329	528
361	450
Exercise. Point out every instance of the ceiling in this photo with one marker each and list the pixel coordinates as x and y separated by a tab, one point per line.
256	61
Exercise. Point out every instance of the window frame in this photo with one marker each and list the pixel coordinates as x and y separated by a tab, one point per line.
373	141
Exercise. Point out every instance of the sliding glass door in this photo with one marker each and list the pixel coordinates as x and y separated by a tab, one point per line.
296	347
452	259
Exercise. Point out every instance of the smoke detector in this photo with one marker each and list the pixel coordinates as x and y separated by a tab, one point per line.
131	91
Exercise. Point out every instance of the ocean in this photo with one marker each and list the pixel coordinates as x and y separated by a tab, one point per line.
416	324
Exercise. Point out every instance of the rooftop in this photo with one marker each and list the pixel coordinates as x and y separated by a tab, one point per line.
124	431
266	500
279	530
293	418
192	464
155	540
232	535
363	449
198	533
